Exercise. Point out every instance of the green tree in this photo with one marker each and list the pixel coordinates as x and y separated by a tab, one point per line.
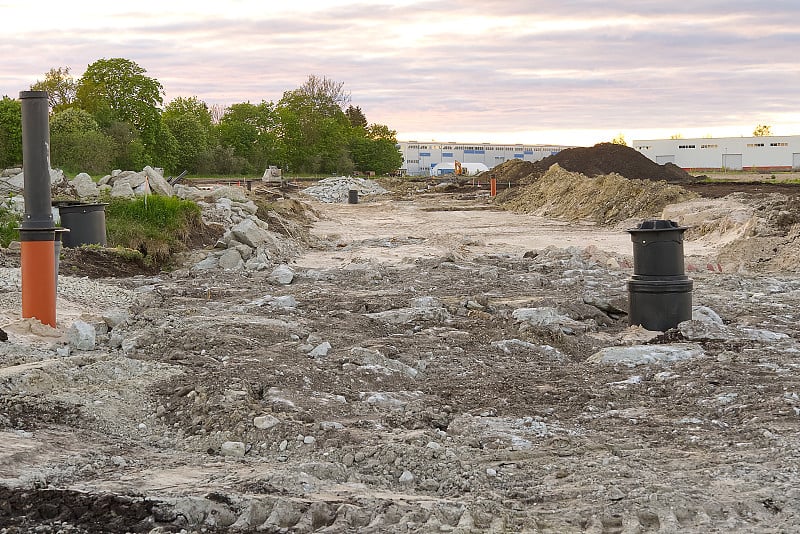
60	86
189	106
117	90
252	132
356	117
762	130
315	132
129	152
676	136
376	150
327	96
77	144
72	120
10	132
189	122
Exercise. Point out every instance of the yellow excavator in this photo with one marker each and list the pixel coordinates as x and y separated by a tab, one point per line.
457	170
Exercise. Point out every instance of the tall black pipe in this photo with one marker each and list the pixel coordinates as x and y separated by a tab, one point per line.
36	161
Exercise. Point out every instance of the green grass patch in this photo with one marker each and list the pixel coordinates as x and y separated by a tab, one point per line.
157	226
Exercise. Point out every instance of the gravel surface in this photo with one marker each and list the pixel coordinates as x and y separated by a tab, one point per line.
421	365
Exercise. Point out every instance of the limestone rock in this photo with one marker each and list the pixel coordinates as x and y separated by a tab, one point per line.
232	448
82	335
646	354
250	233
158	184
84	186
282	275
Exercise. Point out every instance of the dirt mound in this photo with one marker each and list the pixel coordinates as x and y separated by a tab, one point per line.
515	170
605	199
603	158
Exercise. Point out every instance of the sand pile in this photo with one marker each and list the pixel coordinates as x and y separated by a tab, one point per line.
605	199
603	158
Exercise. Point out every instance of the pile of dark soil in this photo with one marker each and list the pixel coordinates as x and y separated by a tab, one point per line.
601	159
100	262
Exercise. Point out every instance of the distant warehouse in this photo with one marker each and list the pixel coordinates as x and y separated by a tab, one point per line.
434	158
768	153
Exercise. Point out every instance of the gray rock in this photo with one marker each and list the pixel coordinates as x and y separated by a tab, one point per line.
706	329
614	305
210	262
188	192
282	275
407	315
705	315
114	318
122	189
265	422
82	335
285	302
406	478
250	233
158	184
370	357
84	186
320	350
232	448
231	260
646	354
225	191
547	317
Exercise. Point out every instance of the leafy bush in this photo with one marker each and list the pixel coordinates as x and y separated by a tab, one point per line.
156	226
9	222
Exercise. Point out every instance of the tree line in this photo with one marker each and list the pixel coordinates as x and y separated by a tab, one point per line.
114	117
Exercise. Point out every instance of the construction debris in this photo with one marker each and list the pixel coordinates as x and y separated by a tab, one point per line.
337	189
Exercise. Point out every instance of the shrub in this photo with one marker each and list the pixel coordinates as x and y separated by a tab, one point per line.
9	224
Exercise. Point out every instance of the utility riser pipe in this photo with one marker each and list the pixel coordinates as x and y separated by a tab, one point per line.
37	232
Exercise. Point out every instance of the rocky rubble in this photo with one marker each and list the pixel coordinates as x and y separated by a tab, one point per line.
338	189
467	391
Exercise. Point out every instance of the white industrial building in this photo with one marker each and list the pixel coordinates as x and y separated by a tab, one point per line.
434	158
768	153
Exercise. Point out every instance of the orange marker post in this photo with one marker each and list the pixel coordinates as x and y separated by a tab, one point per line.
492	186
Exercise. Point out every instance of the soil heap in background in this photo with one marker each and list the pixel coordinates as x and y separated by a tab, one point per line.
603	158
604	199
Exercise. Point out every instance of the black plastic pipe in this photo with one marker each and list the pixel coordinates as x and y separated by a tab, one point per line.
36	161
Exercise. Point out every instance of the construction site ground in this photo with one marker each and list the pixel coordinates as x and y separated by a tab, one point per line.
401	383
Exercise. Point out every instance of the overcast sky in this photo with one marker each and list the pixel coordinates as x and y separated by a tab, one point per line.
563	72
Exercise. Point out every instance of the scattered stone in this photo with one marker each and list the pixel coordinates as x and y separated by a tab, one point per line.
265	422
282	275
548	317
320	350
338	189
646	354
82	335
232	448
84	186
406	478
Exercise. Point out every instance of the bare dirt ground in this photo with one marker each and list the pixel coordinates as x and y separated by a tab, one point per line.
402	383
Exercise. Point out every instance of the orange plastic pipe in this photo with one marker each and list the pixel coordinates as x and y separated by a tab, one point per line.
38	281
493	186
